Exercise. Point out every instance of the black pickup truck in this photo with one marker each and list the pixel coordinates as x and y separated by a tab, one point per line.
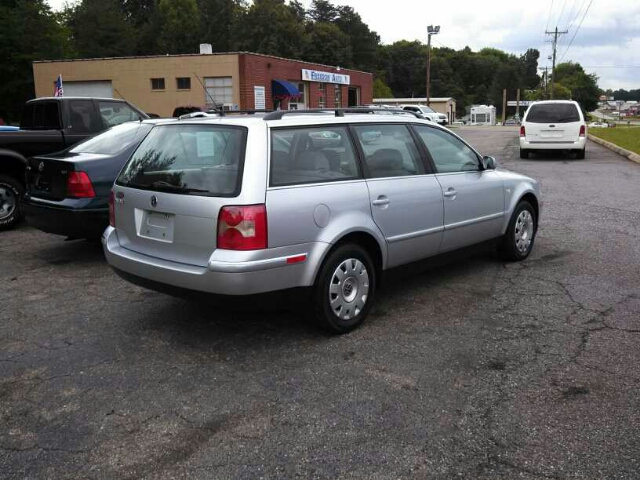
49	125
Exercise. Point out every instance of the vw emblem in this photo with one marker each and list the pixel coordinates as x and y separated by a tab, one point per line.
41	166
154	201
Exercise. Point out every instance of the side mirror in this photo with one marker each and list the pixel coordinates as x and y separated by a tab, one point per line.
488	163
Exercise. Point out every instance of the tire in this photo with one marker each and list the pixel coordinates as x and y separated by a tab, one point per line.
354	294
517	242
580	154
11	192
524	153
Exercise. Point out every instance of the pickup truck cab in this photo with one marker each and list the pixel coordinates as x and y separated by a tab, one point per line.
49	125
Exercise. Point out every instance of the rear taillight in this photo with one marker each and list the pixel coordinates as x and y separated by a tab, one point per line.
583	130
242	227
79	185
112	209
522	133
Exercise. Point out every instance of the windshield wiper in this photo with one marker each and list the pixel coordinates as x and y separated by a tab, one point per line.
168	187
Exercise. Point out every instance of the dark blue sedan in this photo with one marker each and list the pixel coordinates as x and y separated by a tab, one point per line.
68	192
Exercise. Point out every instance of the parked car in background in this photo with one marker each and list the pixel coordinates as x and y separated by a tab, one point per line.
553	125
598	125
49	125
68	192
244	205
427	113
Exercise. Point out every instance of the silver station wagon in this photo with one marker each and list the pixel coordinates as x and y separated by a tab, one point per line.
245	205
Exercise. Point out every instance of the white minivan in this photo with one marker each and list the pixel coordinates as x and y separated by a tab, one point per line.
553	125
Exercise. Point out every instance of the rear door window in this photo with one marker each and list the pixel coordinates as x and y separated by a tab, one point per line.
189	159
312	155
553	113
115	113
82	117
389	150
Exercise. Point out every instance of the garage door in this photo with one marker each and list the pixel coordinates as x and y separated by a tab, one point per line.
102	89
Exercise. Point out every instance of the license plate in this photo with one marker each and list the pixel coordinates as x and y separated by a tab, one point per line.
157	226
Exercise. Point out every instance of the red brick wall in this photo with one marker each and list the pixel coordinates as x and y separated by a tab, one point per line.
261	70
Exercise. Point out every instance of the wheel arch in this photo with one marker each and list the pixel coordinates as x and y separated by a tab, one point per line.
366	240
13	164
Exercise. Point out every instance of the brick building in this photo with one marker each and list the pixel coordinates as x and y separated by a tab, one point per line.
236	81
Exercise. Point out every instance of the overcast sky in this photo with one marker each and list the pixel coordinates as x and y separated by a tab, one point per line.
607	43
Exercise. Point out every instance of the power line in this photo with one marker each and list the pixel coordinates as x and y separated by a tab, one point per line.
577	30
564	4
544	35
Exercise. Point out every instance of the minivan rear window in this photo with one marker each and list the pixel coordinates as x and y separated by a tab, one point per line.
188	159
553	113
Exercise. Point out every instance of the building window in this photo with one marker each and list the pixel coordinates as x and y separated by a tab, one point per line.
157	84
218	91
338	96
322	102
183	83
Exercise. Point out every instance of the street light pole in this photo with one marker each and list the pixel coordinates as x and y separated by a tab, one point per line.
431	30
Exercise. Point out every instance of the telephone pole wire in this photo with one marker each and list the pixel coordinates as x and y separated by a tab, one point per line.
555	44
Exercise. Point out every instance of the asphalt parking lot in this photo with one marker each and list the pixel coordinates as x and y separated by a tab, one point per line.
471	369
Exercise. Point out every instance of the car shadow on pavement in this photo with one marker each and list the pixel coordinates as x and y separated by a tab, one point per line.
556	156
286	316
72	252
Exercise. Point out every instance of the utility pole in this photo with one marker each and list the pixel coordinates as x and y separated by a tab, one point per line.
431	30
555	44
546	83
504	105
518	106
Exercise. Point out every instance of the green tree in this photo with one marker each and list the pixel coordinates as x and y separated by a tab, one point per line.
327	44
381	89
323	11
29	31
219	21
272	27
364	42
179	26
584	88
529	72
99	28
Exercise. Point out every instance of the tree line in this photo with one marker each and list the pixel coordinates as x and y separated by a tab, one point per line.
324	33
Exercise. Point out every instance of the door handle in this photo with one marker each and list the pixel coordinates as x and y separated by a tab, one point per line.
381	200
451	192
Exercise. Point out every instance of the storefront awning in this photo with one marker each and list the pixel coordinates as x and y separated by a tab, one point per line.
284	89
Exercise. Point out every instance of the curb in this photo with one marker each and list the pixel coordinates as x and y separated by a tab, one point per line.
634	157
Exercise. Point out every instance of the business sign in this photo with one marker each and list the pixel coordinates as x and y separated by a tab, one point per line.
259	98
523	103
325	77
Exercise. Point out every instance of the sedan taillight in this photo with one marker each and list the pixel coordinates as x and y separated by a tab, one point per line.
242	227
79	185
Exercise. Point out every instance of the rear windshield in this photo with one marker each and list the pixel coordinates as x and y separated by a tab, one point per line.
114	140
553	113
188	159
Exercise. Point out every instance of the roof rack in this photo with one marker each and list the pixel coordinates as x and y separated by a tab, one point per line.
221	113
339	112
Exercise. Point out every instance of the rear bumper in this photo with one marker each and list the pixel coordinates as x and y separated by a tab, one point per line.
542	145
233	275
66	221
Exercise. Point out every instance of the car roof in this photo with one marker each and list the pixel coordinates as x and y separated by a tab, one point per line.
294	120
554	101
58	99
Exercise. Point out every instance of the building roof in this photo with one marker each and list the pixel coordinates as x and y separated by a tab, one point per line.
200	55
412	100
